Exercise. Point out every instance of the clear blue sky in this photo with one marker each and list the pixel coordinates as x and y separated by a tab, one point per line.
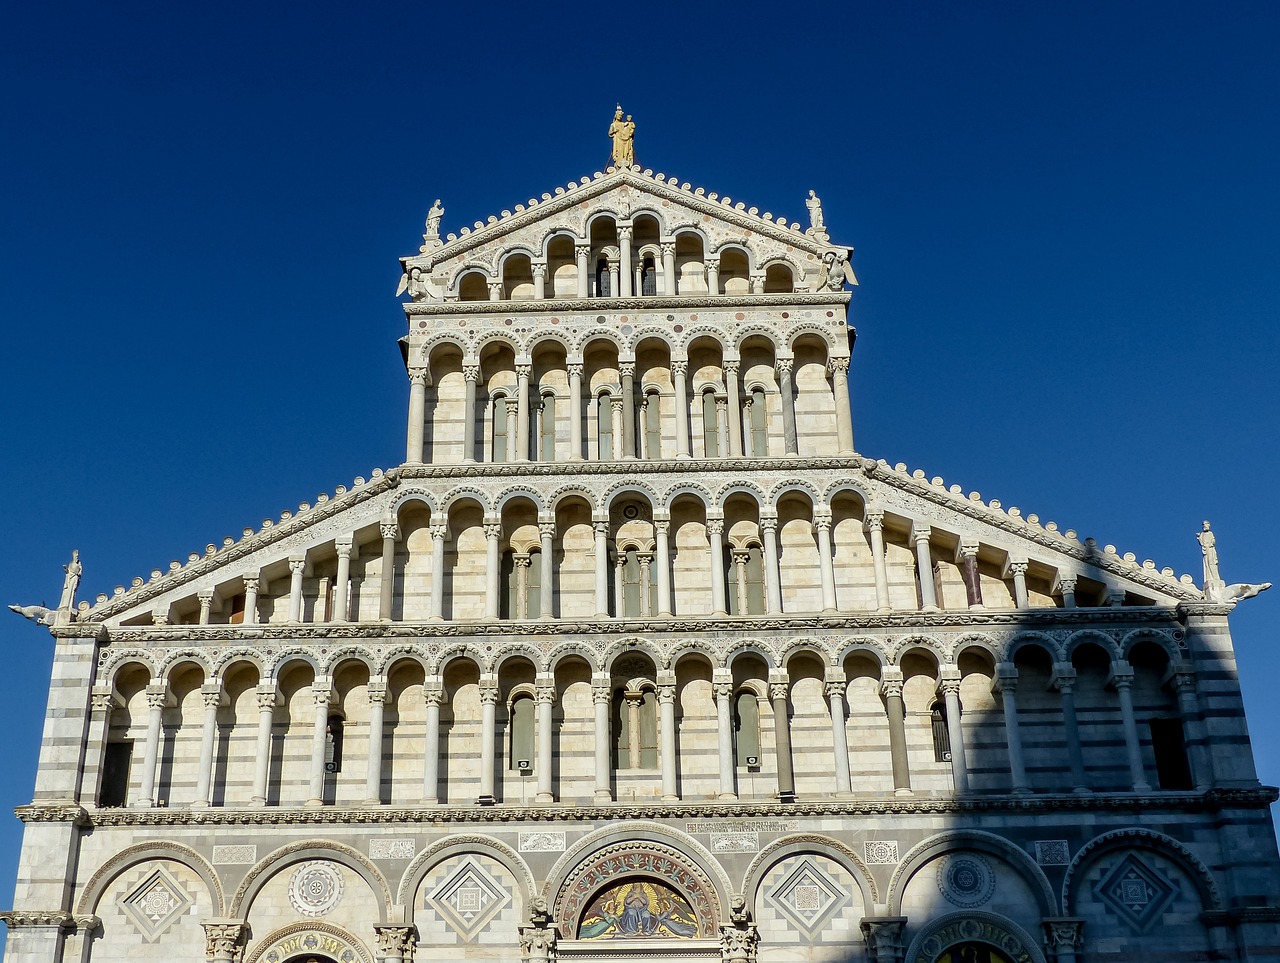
1066	220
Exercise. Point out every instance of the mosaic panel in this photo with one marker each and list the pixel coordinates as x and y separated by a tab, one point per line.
735	842
468	899
880	852
235	854
156	904
638	909
966	880
1136	892
384	848
807	896
1053	852
542	842
316	888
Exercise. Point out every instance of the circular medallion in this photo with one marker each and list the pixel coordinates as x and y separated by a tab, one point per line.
967	880
315	888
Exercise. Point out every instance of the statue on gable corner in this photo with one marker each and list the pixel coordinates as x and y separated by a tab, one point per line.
835	271
623	133
411	281
814	203
1215	589
433	219
70	582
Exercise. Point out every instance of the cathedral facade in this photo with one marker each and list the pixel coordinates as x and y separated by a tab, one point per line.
634	657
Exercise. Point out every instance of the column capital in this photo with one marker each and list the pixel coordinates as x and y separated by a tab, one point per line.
495	290
343	546
739	942
268	697
524	560
433	691
488	693
388	529
545	694
322	692
377	691
396	940
157	697
626	369
666	694
538	942
205	596
297	563
1063	933
768	522
732	366
969	548
891	683
601	691
668	248
582	250
784	365
600	526
715	526
211	695
1006	679
679	367
625	232
523	371
439	530
547	529
224	939
1183	678
1063	676
1121	675
539	269
471	372
251	582
101	699
712	262
1017	566
574	369
838	366
1066	583
883	937
921	533
418	377
662	525
779	690
493	530
874	520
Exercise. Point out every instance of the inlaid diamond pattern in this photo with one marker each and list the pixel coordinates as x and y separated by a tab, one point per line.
154	905
1136	892
468	899
807	896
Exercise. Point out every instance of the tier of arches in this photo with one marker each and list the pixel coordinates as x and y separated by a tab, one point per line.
632	257
298	731
610	402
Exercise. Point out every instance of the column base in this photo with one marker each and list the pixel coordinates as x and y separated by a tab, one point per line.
1021	791
313	804
603	796
544	799
671	798
486	801
845	794
727	796
371	802
884	610
786	796
1082	791
199	804
903	791
685	455
257	801
1141	787
930	608
431	801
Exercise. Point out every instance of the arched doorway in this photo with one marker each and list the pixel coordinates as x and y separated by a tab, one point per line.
973	953
304	942
973	937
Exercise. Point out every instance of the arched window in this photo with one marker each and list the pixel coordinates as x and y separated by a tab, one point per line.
759	424
635	715
652	426
547	428
520	734
602	279
710	426
604	422
498	418
116	762
746	729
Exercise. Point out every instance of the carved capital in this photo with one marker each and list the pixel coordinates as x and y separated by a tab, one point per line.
1067	584
627	369
600	528
539	271
784	366
546	529
471	372
891	688
523	371
779	690
666	695
715	526
834	687
493	530
545	695
739	942
668	248
838	366
100	699
575	371
297	564
601	692
321	694
388	530
439	531
538	943
433	695
874	521
377	693
157	696
582	251
822	521
343	546
398	941
679	369
1063	933
224	940
267	699
251	583
211	695
883	937
712	263
950	686
723	690
732	367
418	377
625	233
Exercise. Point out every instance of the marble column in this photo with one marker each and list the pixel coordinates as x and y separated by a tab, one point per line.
495	290
546	589
723	689
839	368
223	940
740	558
778	689
205	598
521	436
731	369
1067	586
772	577
575	412
522	565
1184	684
883	937
601	693
722	426
875	526
583	253
488	732
646	601
662	559
669	268
624	262
826	561
713	275
395	942
470	374
613	277
387	580
632	698
342	583
627	371
924	567
1122	679
835	683
601	529
1018	570
539	282
784	366
1006	683
1064	680
438	531
950	685
157	698
432	695
667	725
544	699
373	774
679	379
321	693
297	567
493	584
267	699
212	696
101	702
1063	938
715	539
896	713
969	572
251	585
417	415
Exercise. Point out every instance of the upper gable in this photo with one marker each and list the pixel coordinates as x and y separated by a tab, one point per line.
754	253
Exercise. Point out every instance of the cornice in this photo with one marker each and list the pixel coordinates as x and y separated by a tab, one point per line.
56	812
1171	802
16	919
418	309
852	623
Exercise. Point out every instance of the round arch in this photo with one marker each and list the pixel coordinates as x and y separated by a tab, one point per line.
799	843
982	842
974	927
1148	839
278	859
460	845
155	849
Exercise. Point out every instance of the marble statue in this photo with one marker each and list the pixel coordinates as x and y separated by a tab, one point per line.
1239	591
623	133
835	271
814	203
36	613
411	281
1209	548
71	582
431	239
1215	589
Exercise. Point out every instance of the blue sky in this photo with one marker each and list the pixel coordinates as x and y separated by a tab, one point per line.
1066	221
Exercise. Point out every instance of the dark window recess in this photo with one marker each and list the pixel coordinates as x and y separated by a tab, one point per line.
1170	747
941	737
603	279
115	774
648	278
333	745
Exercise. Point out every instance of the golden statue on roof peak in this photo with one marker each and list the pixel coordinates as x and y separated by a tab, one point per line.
623	133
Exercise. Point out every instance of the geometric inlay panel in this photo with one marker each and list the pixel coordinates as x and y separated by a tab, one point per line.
1136	892
315	888
880	852
807	896
966	880
468	899
1052	852
155	904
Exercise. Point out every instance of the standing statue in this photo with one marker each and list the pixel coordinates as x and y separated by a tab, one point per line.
71	582
814	203
623	133
432	238
1209	548
1215	589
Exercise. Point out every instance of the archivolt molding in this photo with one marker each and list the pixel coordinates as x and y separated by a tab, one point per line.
1166	846
462	844
741	487
225	659
582	650
972	839
1042	639
173	659
1166	640
686	647
977	925
861	644
742	647
155	849
794	484
413	493
803	643
353	859
309	926
976	640
112	660
1106	641
388	658
458	650
516	651
697	490
628	646
797	843
939	649
463	492
331	659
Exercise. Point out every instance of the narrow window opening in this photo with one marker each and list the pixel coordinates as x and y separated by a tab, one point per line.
507	602
941	737
710	426
115	774
652	427
533	595
547	427
648	278
759	424
746	729
521	746
755	581
499	429
333	745
605	426
1170	747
